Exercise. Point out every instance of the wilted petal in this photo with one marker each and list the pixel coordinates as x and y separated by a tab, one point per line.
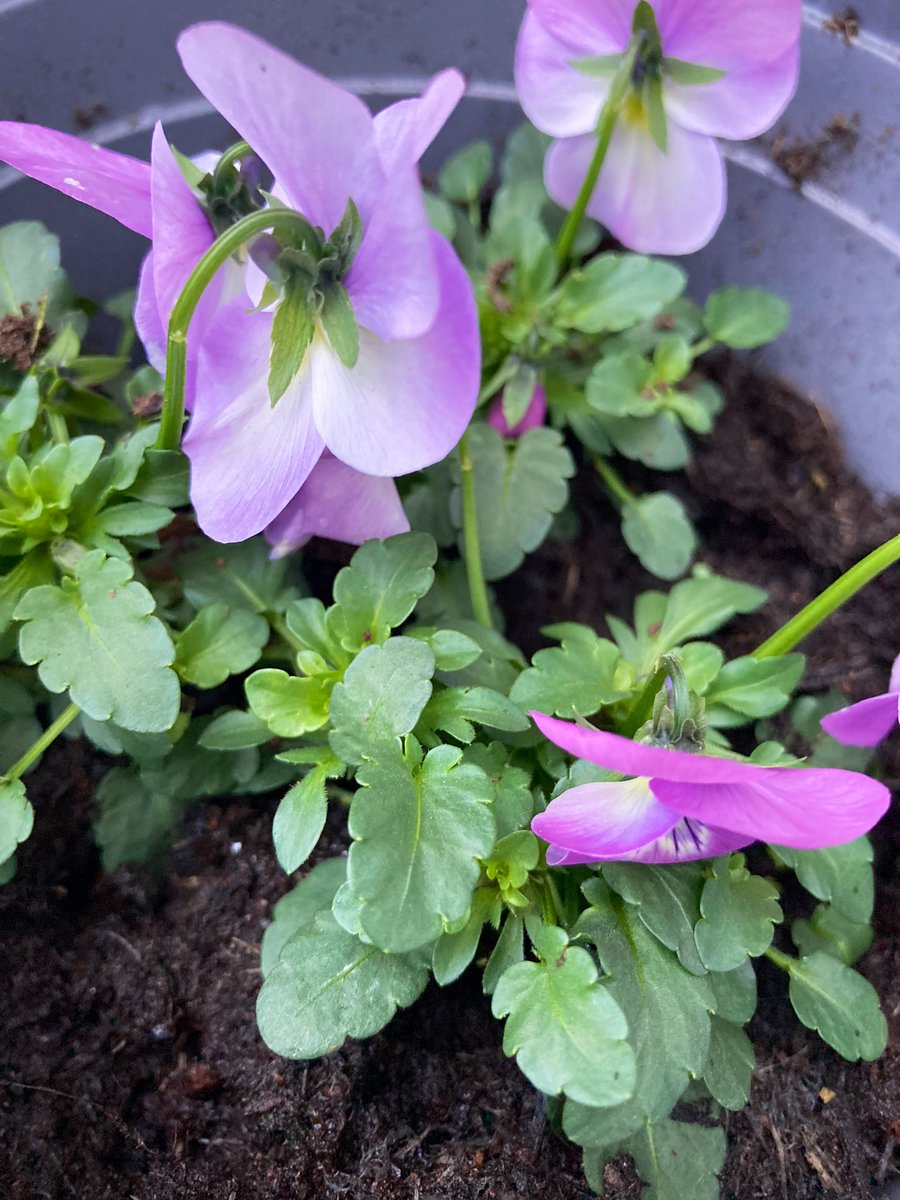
805	809
744	104
589	26
865	723
316	138
604	820
394	283
115	184
652	202
727	33
555	96
405	404
405	130
248	460
340	503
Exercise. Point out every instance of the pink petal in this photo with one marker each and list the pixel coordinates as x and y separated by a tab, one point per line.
744	104
604	820
405	130
534	417
340	503
317	139
248	460
863	724
405	404
805	809
652	202
115	184
589	26
555	96
728	33
686	841
394	283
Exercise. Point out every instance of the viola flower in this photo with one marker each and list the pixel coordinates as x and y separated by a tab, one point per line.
400	396
534	417
870	721
680	806
704	69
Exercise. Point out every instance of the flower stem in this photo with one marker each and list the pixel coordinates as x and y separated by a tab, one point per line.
573	221
47	738
780	960
613	481
481	608
198	281
809	618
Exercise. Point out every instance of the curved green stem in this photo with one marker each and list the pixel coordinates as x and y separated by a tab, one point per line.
231	158
481	608
47	738
198	281
572	222
780	960
613	481
809	618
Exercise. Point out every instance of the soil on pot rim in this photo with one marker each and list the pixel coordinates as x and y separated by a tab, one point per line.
130	1065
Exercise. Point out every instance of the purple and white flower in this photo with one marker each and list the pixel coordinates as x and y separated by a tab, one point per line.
678	806
871	720
656	200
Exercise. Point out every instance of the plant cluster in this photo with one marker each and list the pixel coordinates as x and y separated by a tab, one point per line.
417	374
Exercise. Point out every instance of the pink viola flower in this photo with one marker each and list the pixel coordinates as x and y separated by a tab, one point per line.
870	721
535	415
411	391
680	806
718	69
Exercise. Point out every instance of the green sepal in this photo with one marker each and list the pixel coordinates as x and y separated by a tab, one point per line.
338	322
293	328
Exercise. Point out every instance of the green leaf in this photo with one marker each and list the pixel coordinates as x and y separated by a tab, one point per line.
464	175
241	575
418	834
453	952
163	479
576	677
16	817
95	635
328	985
757	687
668	901
135	822
384	691
380	587
615	291
290	706
235	730
339	324
452	649
744	318
739	913
658	441
735	993
453	710
730	1065
19	414
513	802
219	643
519	488
672	358
830	931
699	606
30	270
299	908
677	1160
618	386
841	875
657	529
565	1029
300	817
508	949
840	1005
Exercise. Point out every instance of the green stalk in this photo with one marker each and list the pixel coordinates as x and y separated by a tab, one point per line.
481	608
642	708
47	738
780	960
229	243
809	618
613	481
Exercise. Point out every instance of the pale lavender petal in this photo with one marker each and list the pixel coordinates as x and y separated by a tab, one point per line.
115	184
805	809
340	503
894	685
728	33
405	130
181	233
589	26
652	202
147	321
744	104
534	416
394	282
316	138
555	96
604	820
686	841
248	460
405	404
863	724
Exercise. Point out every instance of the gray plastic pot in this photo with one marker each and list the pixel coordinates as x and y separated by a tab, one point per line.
831	246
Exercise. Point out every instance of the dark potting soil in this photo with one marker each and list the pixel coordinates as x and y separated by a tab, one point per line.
130	1065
